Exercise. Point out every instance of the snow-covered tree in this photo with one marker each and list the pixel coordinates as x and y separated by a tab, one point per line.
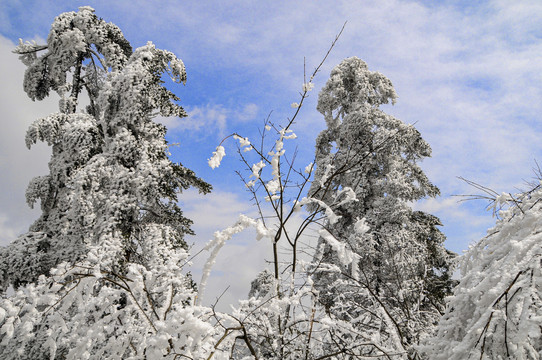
287	315
278	319
384	265
110	152
283	317
80	47
496	309
99	275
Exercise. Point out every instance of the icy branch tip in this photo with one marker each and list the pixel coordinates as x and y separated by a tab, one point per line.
243	142
308	86
214	162
361	227
86	8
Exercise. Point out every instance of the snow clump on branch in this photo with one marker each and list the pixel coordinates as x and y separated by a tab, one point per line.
215	160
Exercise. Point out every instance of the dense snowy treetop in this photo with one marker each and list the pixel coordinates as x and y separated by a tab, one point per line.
74	37
128	93
350	86
364	145
382	265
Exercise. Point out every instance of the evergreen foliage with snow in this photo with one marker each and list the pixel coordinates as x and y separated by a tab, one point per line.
385	269
80	46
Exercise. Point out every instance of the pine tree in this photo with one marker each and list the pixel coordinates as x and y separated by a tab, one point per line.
93	155
394	288
82	47
100	272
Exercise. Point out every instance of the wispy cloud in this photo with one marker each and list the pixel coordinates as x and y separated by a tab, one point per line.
211	119
248	113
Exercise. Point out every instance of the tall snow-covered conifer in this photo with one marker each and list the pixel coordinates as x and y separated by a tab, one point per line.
82	47
100	272
396	276
109	170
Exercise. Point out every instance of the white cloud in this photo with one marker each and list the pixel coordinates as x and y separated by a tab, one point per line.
211	119
7	231
18	165
248	113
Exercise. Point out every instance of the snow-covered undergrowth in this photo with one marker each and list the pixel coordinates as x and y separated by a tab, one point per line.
496	309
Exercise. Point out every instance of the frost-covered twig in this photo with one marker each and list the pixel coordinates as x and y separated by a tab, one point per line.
219	240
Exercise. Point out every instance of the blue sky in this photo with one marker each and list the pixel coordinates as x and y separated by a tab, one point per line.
468	74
